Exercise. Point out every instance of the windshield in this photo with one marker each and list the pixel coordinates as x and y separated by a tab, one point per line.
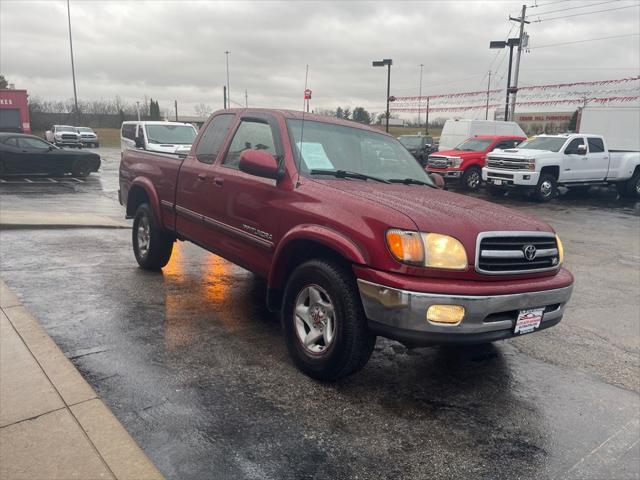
84	129
411	142
551	144
474	145
331	147
173	134
64	128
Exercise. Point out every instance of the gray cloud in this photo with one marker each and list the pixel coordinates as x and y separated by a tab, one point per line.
175	50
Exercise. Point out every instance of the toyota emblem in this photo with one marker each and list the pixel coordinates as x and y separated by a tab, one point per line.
529	252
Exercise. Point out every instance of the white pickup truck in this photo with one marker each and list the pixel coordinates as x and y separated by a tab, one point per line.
541	163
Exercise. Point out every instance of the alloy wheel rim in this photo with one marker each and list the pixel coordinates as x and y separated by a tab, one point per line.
144	236
314	319
474	179
638	186
545	188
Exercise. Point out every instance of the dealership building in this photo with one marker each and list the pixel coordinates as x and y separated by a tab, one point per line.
14	111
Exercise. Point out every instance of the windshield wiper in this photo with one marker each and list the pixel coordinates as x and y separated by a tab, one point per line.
410	181
347	174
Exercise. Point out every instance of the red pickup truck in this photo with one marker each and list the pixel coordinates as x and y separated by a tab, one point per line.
354	238
464	163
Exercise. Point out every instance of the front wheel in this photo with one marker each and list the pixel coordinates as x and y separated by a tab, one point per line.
151	245
472	178
546	188
324	322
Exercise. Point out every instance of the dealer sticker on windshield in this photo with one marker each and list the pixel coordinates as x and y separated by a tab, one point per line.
528	320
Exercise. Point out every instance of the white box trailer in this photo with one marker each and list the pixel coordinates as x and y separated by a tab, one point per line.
455	132
619	125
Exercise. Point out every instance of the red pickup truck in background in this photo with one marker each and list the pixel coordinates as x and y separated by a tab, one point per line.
464	163
354	238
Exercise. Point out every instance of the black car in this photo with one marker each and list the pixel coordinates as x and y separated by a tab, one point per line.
28	154
420	146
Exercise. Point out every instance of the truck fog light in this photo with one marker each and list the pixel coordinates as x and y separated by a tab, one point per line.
526	177
450	314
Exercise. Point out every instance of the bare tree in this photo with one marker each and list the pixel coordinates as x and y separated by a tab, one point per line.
202	110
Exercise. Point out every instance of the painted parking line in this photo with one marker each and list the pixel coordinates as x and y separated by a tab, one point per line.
41	181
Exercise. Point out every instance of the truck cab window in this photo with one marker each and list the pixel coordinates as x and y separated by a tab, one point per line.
572	148
596	145
213	138
250	135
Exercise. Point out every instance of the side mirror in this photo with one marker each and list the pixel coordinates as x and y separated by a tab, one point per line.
582	149
139	142
438	180
259	163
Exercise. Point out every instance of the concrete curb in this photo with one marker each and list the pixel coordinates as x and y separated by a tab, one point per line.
52	425
13	220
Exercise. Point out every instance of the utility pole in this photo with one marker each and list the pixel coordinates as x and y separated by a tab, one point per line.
227	52
486	112
138	109
176	105
420	94
246	98
224	96
522	21
73	69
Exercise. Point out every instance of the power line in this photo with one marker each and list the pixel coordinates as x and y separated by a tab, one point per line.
545	4
585	40
575	8
585	13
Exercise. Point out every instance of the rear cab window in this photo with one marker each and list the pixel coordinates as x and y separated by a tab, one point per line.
596	145
213	138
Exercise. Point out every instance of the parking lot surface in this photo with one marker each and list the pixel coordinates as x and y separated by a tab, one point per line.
195	367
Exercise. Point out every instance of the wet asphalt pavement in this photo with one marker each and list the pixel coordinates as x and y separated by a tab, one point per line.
193	365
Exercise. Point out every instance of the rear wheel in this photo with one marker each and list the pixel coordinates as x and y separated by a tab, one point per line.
151	245
546	188
631	188
472	178
324	322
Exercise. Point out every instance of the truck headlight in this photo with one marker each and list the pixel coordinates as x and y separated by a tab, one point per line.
427	249
455	162
531	165
560	251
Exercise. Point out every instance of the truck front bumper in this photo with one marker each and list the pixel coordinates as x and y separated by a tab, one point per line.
449	175
401	314
510	178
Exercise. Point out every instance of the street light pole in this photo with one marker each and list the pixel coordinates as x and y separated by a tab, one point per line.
426	123
73	69
387	62
228	91
511	42
420	94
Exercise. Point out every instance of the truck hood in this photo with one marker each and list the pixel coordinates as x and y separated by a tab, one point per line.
520	153
457	153
439	211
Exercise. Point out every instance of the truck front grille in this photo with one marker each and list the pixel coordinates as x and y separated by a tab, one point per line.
438	162
69	137
507	163
502	253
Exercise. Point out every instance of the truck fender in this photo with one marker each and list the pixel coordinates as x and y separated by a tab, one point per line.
150	190
325	236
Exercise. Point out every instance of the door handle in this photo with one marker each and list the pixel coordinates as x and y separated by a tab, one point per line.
218	181
202	176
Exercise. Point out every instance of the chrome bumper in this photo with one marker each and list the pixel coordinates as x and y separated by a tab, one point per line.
401	314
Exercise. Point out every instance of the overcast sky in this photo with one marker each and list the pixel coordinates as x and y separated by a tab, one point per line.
175	49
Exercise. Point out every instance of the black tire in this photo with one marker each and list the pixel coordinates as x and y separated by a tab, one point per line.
546	189
159	244
472	179
352	343
97	145
630	188
80	168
